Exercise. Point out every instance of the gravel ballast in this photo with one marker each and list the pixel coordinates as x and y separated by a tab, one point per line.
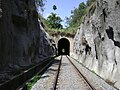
95	80
47	79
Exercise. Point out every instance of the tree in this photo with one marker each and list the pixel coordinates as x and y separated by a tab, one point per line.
77	14
54	7
54	21
41	4
67	21
89	2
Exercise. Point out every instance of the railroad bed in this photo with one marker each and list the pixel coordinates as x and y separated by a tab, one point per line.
65	74
70	78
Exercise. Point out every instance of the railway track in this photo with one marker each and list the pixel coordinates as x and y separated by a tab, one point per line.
61	84
67	77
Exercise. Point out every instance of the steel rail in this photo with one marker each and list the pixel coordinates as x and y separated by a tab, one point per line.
57	75
85	79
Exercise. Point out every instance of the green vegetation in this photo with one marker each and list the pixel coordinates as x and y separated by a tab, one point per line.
93	72
78	13
53	22
89	2
40	4
91	8
32	82
70	32
54	7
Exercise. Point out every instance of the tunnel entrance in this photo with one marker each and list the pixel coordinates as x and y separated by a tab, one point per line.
63	46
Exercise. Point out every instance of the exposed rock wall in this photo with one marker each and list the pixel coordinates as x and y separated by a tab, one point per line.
23	40
97	42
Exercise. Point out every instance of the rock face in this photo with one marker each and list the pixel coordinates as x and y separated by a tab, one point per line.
97	42
23	40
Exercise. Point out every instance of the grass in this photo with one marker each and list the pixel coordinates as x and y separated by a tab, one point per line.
69	32
93	72
32	81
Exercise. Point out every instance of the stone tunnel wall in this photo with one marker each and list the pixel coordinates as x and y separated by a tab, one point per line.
23	40
97	42
58	37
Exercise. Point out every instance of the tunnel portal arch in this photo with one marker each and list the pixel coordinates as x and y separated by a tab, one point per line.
63	46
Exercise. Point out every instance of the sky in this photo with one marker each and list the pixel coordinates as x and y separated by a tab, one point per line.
64	7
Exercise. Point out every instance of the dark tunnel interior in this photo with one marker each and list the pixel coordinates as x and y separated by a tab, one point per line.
63	46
